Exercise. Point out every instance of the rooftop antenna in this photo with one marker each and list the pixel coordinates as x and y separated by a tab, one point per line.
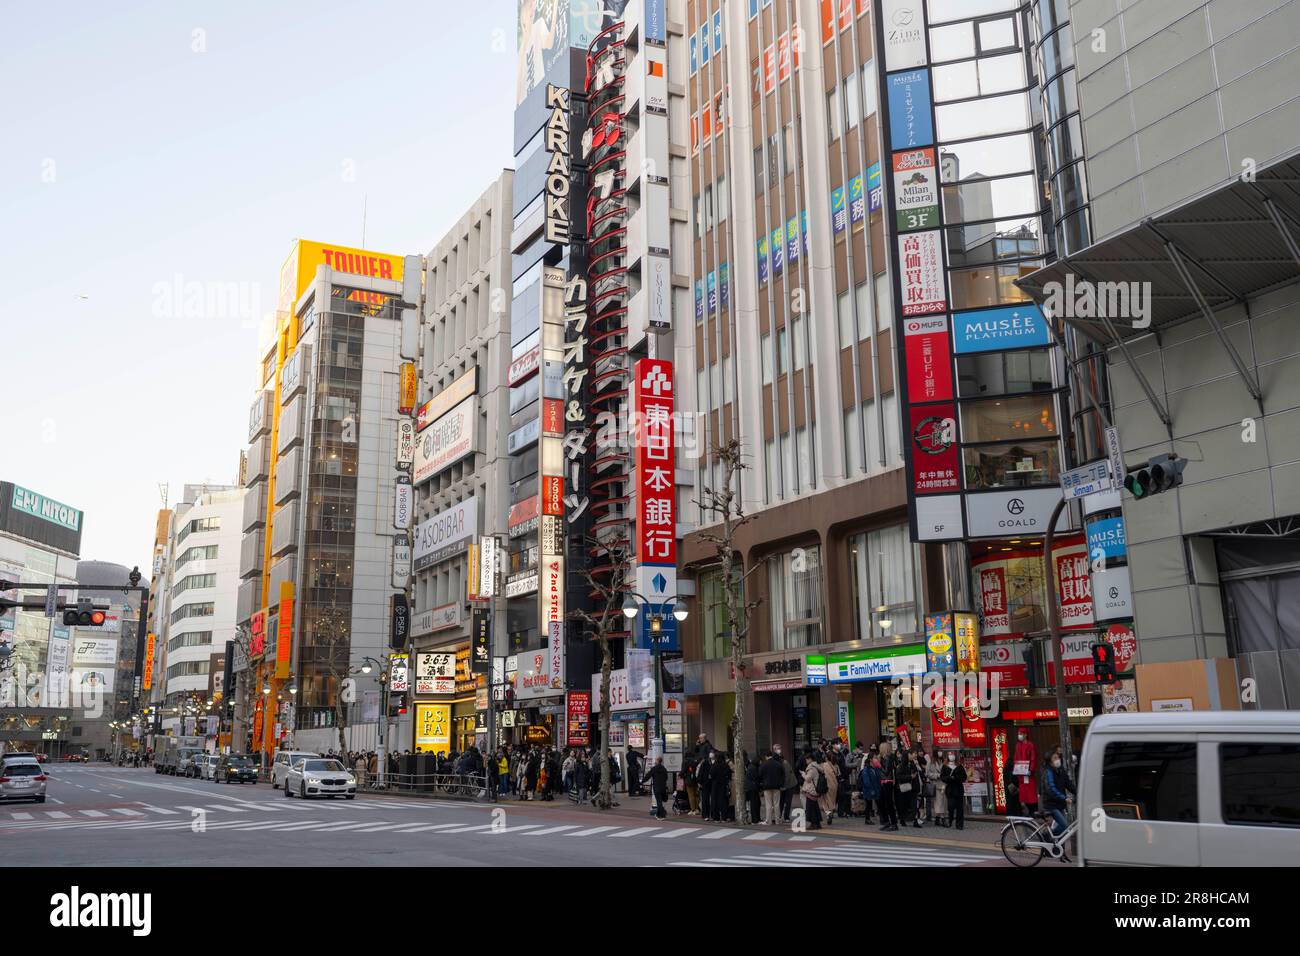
163	489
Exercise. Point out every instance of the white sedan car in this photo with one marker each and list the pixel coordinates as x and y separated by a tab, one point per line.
320	777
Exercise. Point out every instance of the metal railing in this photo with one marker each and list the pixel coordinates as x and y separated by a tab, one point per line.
465	786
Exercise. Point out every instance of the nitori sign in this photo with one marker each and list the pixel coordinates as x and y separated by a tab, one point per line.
53	511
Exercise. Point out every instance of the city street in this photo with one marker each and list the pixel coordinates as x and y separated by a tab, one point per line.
108	816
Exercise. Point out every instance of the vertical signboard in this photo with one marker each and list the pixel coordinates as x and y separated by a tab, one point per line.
652	401
284	631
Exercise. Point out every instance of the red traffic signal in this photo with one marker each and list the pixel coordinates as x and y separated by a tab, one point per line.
1103	663
85	614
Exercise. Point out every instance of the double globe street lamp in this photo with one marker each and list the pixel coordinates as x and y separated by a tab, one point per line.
631	608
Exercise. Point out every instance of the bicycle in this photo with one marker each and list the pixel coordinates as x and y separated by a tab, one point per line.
1027	840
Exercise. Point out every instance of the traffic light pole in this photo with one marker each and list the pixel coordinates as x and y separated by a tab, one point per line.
1054	635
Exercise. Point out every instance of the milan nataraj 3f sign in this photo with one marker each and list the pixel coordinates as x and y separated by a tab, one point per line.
656	527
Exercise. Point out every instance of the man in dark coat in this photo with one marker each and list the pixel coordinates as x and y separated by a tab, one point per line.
704	780
658	777
719	786
634	772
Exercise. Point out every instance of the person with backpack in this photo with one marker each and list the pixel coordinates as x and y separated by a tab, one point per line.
869	782
812	789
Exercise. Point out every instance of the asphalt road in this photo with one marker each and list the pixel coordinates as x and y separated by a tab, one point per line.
110	816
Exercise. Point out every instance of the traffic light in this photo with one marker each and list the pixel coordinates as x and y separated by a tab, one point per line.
1103	663
397	705
1158	474
85	614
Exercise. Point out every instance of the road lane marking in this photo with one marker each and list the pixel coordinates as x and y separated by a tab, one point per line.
635	831
92	813
127	813
518	829
668	835
715	834
57	814
592	831
567	826
162	810
443	826
22	816
484	826
760	836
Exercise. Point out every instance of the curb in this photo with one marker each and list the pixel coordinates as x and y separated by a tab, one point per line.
632	812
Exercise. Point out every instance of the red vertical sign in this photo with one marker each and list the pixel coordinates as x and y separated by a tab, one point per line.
656	521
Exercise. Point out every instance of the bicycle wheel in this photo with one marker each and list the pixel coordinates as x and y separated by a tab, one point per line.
1014	837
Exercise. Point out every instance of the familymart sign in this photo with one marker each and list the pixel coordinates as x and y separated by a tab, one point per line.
877	663
49	509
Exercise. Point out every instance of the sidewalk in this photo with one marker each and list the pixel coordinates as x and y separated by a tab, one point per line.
978	834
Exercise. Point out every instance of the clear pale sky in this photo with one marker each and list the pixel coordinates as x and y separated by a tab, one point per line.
139	153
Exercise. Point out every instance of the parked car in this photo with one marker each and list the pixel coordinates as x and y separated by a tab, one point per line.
1211	788
235	768
283	763
187	763
320	778
22	780
206	765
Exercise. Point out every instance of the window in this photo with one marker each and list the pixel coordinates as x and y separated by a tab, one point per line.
202	553
774	164
1004	373
885	570
788	146
724	200
195	581
199	524
870	92
834	119
1008	465
759	171
206	609
852	101
192	639
1008	419
795	597
1142	780
1260	784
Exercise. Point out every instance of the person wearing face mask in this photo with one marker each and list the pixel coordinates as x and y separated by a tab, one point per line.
953	777
1057	791
1024	761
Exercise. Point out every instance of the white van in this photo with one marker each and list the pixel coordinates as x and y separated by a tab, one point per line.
1205	788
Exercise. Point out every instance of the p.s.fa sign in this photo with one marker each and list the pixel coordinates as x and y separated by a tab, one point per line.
1087	479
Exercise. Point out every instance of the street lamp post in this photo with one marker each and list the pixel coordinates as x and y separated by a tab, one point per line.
381	761
679	611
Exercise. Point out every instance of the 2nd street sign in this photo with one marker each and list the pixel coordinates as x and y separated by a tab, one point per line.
1087	480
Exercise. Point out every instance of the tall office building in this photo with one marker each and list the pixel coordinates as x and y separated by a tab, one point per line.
39	543
194	594
320	516
460	470
599	269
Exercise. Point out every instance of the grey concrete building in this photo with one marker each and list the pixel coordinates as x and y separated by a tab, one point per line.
1186	126
461	471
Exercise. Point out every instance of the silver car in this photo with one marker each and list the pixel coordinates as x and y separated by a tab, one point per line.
22	780
320	777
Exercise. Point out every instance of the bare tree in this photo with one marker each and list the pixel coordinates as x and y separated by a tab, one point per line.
725	506
605	619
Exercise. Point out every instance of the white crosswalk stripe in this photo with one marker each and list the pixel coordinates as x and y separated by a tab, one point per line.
843	855
669	834
591	831
761	836
127	813
92	813
152	809
635	831
550	830
22	816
